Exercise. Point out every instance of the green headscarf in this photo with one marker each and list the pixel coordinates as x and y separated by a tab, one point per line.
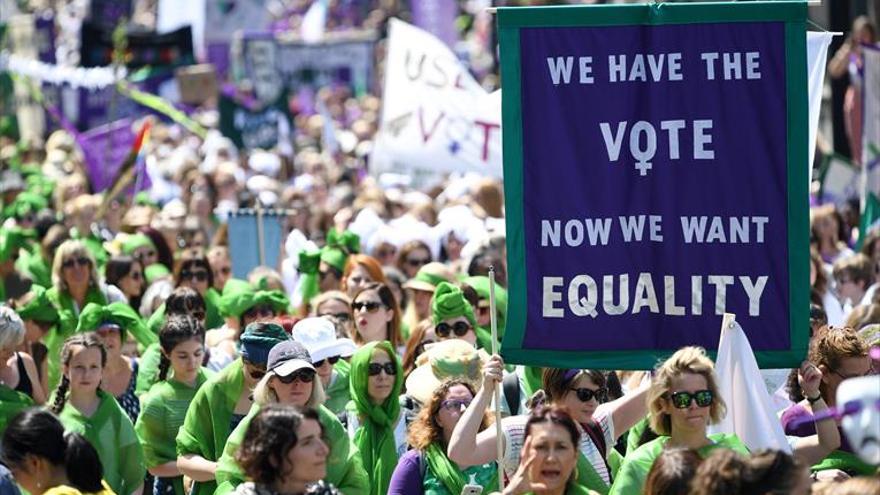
118	313
11	240
39	308
26	202
449	302
136	241
375	436
338	246
309	265
480	284
238	297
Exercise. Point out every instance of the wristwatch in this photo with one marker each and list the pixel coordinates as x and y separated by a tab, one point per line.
813	400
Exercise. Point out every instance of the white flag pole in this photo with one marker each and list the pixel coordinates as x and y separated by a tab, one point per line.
499	435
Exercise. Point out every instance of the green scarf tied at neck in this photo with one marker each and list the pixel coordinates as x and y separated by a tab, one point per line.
449	302
309	265
375	436
118	313
39	308
238	297
11	240
133	242
448	473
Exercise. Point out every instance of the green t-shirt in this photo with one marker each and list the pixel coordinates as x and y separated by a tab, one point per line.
206	425
111	433
345	469
12	402
631	477
163	410
338	393
148	372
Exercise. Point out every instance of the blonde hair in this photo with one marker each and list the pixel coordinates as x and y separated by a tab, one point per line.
686	360
264	394
330	295
68	249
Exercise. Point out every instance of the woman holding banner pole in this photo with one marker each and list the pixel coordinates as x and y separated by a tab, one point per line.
582	392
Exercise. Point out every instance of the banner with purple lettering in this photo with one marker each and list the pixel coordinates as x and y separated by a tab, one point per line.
655	177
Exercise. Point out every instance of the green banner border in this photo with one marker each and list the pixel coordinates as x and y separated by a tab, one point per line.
510	21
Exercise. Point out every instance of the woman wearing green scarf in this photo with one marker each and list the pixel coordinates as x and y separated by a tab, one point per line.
220	405
112	323
75	283
292	380
426	470
375	421
583	393
141	248
550	456
454	318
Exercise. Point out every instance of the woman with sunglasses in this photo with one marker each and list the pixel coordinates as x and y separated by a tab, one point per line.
194	272
335	304
75	283
683	401
141	248
376	316
221	404
839	354
327	350
412	256
426	468
374	418
453	316
127	274
583	393
290	379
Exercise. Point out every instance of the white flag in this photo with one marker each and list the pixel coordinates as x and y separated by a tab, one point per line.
314	22
817	54
750	411
436	118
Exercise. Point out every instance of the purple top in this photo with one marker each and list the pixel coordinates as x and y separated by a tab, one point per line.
798	411
407	477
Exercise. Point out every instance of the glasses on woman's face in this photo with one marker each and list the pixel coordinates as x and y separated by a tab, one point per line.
70	262
370	306
682	400
194	275
342	317
459	328
332	360
256	371
455	405
585	394
375	368
305	376
417	262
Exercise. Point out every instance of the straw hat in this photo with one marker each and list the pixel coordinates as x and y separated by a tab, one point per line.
430	276
453	358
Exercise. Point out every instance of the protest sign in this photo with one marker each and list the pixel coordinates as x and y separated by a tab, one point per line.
870	139
197	83
252	128
655	178
839	180
152	49
436	118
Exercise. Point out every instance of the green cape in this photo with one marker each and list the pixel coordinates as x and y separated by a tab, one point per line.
163	409
338	393
631	477
847	462
344	467
206	426
375	436
148	369
111	433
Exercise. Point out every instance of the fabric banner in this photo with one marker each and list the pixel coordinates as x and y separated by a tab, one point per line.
105	148
870	139
244	244
840	180
108	13
436	118
655	178
144	49
251	128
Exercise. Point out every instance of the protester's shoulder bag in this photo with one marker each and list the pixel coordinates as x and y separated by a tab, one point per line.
510	386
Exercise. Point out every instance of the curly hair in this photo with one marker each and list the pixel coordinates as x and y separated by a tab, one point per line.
686	360
831	345
268	439
425	429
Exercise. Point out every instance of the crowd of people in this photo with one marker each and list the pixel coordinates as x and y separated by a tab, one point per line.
133	361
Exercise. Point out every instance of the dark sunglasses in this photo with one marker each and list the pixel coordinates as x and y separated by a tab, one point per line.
136	275
586	394
81	261
460	328
376	368
343	317
332	360
416	262
455	405
682	400
259	311
371	306
198	275
255	371
305	376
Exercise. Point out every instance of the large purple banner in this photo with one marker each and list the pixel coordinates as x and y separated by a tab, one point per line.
654	187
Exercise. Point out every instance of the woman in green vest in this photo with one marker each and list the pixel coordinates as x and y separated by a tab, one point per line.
683	401
181	374
220	405
292	380
84	408
583	393
426	470
549	461
75	283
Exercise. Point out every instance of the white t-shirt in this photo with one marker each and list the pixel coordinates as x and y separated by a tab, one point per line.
514	429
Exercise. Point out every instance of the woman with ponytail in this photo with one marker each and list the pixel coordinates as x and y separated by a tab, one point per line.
164	407
47	461
84	408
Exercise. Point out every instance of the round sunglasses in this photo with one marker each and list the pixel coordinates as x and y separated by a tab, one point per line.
460	328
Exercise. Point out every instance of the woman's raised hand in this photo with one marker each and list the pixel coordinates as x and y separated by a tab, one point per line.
493	371
521	481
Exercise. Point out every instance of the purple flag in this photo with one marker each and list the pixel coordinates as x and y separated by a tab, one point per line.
105	148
